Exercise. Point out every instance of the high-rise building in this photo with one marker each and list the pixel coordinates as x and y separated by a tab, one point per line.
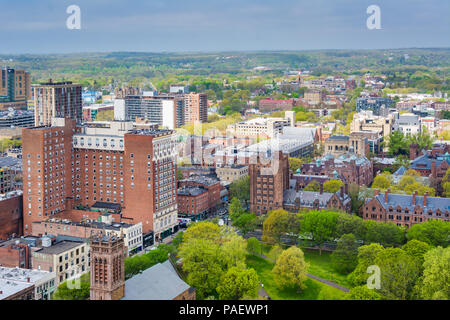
166	111
107	267
112	166
268	179
57	99
15	88
196	107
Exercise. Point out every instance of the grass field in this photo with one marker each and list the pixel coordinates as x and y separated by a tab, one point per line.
321	266
315	290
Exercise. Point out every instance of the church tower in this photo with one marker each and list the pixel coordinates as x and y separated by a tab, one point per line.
107	267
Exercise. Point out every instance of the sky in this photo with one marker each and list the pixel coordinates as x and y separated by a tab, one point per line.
39	26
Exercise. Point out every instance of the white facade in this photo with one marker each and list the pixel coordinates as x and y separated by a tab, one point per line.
119	109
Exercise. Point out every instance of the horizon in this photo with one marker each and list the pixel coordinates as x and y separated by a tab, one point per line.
42	27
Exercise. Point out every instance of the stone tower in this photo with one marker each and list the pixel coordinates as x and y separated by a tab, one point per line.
107	267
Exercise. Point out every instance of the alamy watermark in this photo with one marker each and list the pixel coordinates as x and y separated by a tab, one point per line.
374	20
74	20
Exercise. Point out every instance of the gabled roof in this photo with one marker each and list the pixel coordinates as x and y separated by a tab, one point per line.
160	282
405	201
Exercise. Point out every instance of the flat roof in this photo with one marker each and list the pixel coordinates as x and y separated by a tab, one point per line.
10	287
60	247
22	275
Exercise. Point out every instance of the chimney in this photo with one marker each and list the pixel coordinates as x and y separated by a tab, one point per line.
425	198
386	193
321	188
414	198
433	169
28	279
346	188
342	192
376	192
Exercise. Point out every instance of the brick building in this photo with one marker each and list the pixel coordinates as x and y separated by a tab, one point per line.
70	168
132	233
107	268
11	214
193	202
348	167
195	107
405	210
210	184
15	253
268	179
231	173
269	104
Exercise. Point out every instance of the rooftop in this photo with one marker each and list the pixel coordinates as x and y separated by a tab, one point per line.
60	247
160	282
22	275
191	191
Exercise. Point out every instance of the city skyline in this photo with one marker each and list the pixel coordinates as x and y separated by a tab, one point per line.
201	26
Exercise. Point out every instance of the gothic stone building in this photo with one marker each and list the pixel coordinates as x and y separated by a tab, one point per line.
405	210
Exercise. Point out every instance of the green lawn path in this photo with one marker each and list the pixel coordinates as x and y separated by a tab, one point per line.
315	290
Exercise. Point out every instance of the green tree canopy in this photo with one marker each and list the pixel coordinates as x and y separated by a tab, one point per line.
332	185
290	269
434	232
399	274
345	256
237	283
434	284
320	225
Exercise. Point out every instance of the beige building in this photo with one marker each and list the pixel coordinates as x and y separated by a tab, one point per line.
356	143
367	121
315	96
232	173
262	127
57	99
68	259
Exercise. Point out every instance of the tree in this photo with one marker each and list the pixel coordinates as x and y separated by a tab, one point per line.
434	232
434	284
398	274
202	230
445	183
363	293
353	192
295	164
68	291
180	175
241	189
416	249
385	233
366	257
253	245
233	249
237	283
321	225
381	181
274	253
313	186
332	185
345	257
245	222
290	269
397	143
200	258
273	227
106	115
347	223
235	209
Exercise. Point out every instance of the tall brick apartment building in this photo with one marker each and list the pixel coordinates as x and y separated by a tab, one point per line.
69	168
268	179
196	107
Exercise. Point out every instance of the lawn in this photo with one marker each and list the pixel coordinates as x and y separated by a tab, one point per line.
315	290
321	266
